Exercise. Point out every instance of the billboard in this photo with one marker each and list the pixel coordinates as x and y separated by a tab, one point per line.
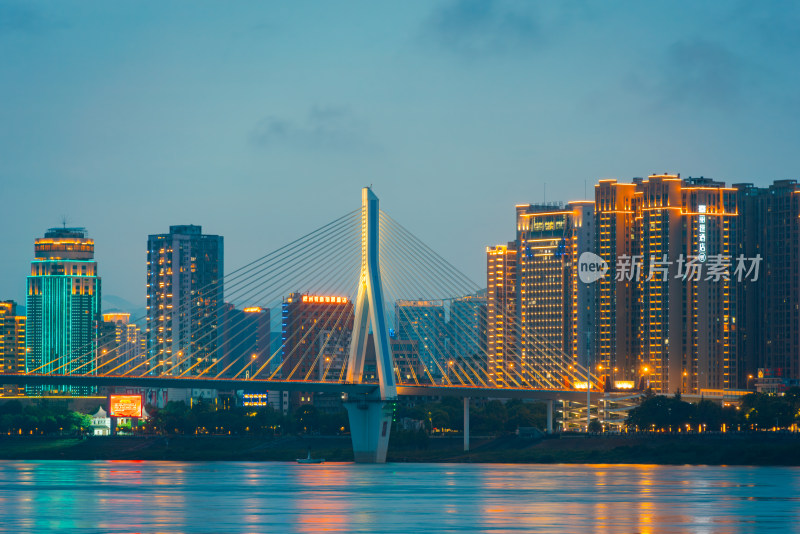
125	405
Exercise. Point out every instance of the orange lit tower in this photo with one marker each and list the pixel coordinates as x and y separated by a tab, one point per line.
615	305
685	324
555	310
501	325
12	343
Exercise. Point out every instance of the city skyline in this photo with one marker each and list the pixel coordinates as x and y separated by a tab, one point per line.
458	111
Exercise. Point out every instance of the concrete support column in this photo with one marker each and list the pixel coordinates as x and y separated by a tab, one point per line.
549	417
466	423
370	426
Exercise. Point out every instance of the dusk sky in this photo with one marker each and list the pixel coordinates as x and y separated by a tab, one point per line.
262	121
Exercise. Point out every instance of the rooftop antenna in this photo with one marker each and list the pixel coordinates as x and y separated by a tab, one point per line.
64	221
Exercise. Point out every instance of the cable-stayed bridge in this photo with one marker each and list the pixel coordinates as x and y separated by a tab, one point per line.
364	309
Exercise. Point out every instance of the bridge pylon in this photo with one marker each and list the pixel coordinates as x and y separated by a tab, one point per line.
370	415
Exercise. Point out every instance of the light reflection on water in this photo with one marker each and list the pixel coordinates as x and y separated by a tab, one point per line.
233	497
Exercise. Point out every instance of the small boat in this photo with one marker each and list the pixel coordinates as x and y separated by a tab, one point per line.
310	460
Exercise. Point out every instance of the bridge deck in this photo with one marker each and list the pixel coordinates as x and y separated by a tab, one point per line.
156	382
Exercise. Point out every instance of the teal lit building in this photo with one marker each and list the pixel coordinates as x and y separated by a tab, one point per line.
63	306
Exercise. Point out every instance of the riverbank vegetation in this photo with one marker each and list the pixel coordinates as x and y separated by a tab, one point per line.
757	411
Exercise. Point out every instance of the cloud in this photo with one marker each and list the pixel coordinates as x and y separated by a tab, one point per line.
483	27
697	74
774	24
324	127
19	18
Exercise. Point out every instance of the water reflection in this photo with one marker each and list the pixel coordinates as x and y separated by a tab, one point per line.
281	497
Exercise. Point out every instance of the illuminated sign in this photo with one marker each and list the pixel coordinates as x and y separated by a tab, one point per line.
125	405
581	385
624	384
324	299
253	309
701	233
255	399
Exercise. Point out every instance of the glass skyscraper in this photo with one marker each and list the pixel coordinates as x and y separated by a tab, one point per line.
63	307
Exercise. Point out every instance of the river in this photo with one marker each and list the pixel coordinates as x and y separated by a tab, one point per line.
239	497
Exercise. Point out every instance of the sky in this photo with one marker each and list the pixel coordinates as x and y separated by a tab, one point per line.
261	121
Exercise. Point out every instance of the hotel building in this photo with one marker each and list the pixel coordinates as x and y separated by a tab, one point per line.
63	307
661	316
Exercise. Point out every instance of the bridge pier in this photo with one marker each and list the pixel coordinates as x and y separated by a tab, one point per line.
466	424
370	425
550	417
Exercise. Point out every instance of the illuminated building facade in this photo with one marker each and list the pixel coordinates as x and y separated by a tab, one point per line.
184	299
685	326
408	365
466	329
316	332
555	311
12	344
424	321
616	308
121	347
501	308
711	221
63	307
245	340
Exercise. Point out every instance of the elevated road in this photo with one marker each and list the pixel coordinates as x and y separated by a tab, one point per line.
160	382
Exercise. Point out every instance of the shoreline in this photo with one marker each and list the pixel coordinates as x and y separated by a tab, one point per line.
751	449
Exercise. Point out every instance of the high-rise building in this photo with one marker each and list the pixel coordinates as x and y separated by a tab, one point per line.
555	311
245	340
768	308
121	347
424	321
407	362
616	307
184	299
748	322
501	308
316	332
315	340
12	344
466	329
63	306
684	320
782	279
